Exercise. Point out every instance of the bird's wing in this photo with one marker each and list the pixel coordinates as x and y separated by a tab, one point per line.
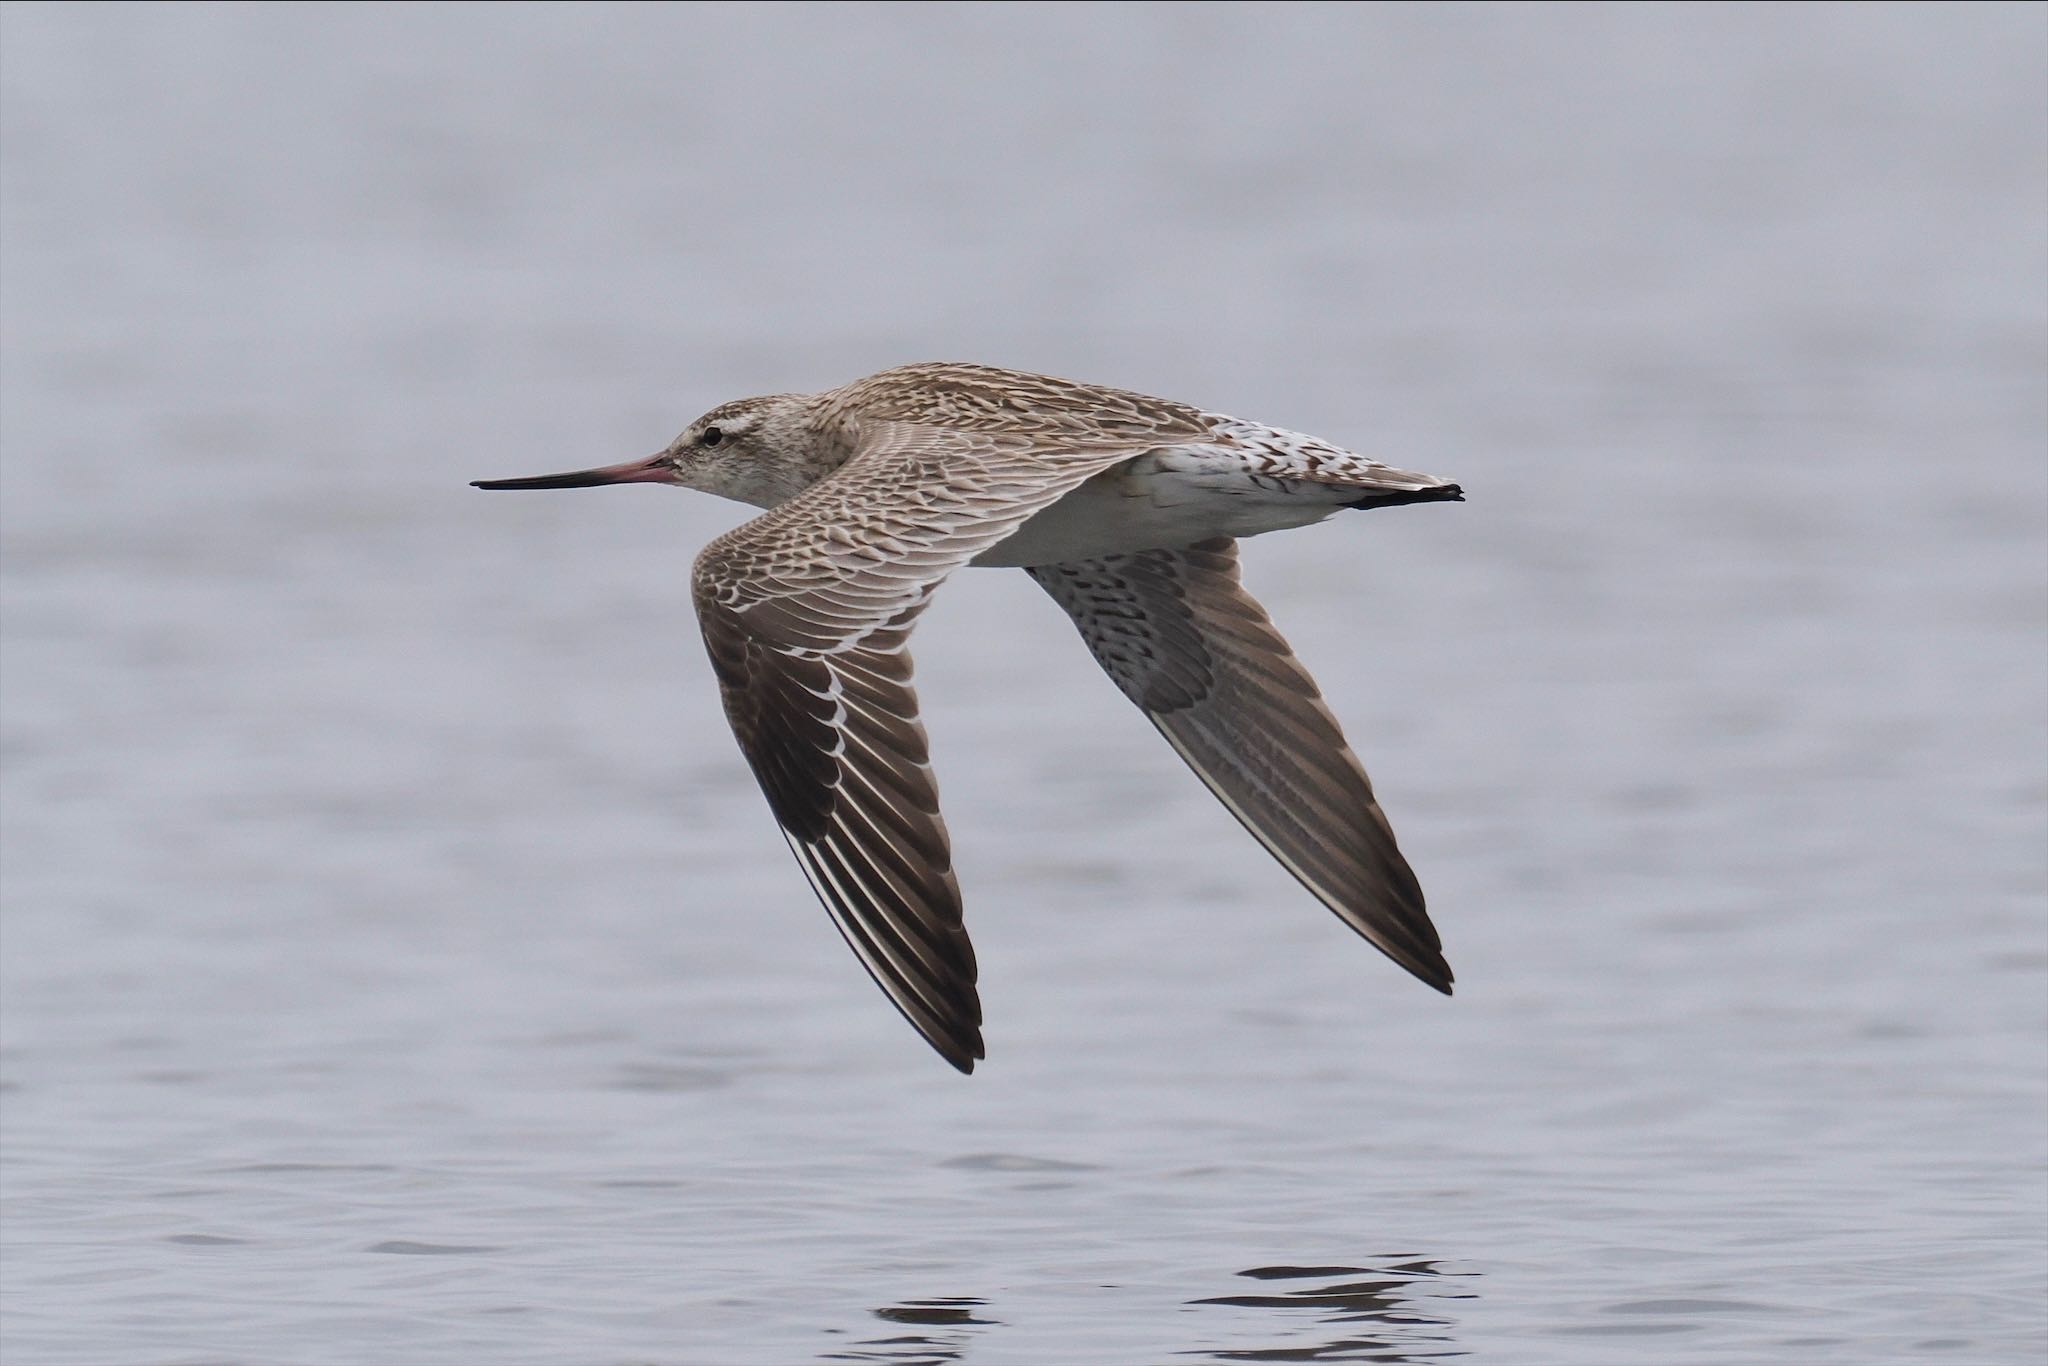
1182	638
807	612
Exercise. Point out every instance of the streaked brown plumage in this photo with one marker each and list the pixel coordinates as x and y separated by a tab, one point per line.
1125	509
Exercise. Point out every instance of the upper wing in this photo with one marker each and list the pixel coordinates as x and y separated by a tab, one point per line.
1182	638
807	612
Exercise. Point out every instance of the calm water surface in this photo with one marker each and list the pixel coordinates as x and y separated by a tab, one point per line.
399	966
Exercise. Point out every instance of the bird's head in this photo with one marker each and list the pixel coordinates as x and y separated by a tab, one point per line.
761	451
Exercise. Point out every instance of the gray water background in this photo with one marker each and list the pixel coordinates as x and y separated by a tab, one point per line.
399	965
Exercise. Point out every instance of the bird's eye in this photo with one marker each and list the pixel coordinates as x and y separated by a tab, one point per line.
712	436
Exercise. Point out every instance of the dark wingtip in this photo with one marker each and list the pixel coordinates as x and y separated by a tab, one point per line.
1436	976
1442	493
1432	970
961	1059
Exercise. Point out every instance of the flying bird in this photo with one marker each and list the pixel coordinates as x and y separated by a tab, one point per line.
1127	510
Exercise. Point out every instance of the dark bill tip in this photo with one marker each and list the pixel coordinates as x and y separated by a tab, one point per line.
541	481
653	470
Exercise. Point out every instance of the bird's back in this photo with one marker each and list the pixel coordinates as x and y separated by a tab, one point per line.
984	398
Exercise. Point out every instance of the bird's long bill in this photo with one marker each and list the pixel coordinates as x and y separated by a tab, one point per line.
655	469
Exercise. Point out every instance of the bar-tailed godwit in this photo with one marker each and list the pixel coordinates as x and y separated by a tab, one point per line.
1127	510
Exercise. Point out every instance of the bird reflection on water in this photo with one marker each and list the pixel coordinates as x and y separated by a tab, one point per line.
1383	1296
921	1349
1328	1313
